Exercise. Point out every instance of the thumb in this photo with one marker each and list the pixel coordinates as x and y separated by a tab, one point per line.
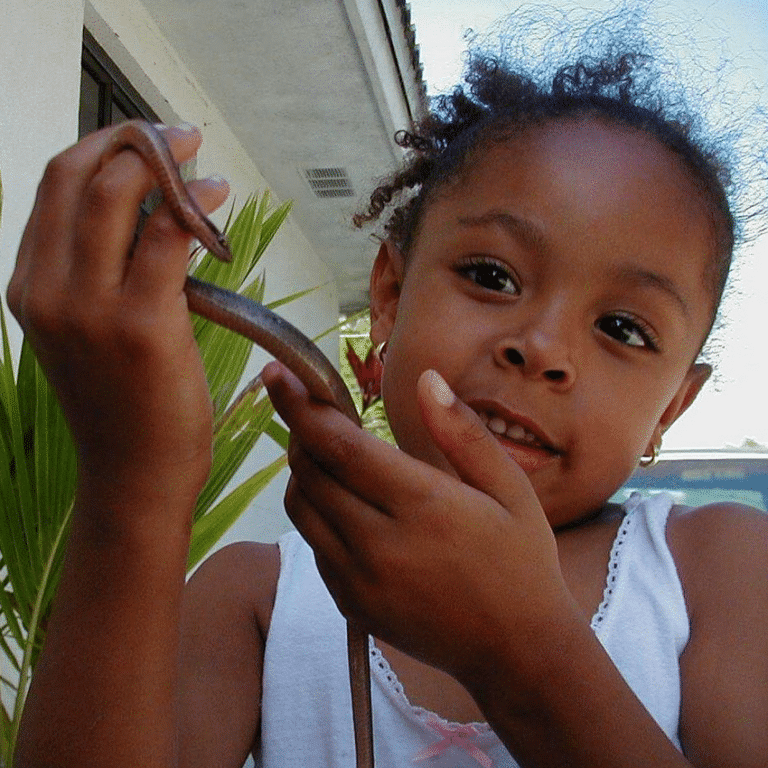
474	453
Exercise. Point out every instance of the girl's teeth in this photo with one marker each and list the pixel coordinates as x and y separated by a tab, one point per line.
497	425
516	432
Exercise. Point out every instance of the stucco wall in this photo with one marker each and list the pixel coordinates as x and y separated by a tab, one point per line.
40	51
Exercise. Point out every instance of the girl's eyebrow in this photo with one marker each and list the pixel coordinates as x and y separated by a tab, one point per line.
532	236
635	275
522	229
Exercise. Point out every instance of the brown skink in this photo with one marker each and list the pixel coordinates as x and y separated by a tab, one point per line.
278	337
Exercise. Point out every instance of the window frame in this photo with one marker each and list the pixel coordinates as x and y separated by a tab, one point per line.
114	88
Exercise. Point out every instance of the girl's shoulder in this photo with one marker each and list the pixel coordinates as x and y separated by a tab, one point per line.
243	576
718	547
721	553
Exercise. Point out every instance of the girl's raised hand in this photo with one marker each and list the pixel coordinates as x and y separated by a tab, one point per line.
108	319
446	569
109	322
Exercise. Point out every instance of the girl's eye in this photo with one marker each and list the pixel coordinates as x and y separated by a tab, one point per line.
628	330
490	274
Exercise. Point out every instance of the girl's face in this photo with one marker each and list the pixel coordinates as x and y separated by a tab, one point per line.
560	288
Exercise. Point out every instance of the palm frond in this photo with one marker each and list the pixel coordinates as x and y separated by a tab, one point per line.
213	525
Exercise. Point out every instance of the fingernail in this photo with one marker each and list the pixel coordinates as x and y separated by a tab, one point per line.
439	389
186	128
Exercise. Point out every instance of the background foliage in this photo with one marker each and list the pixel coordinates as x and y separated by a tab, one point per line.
355	330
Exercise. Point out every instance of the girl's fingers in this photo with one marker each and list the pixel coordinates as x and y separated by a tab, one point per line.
398	541
343	515
77	258
319	532
365	465
162	235
337	540
82	226
373	469
121	356
44	254
476	456
109	208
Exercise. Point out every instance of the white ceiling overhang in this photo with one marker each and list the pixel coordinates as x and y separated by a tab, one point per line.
314	90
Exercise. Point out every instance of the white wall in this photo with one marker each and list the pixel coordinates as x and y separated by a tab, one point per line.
39	92
40	52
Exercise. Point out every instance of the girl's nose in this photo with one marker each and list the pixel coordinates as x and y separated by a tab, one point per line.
538	356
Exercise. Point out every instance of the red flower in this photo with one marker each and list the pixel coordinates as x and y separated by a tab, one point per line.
368	374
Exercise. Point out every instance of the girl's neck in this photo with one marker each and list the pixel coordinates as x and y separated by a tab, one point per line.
606	511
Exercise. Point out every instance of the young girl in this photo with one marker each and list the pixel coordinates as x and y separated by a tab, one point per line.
542	296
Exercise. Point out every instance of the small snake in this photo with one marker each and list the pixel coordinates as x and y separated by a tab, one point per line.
278	337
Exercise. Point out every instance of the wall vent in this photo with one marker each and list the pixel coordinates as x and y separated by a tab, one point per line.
329	182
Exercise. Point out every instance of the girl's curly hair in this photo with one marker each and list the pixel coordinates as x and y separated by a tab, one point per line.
498	99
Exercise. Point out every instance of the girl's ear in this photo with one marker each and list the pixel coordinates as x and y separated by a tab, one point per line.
694	380
386	281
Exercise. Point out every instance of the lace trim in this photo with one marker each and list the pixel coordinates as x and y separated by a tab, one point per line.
388	678
614	562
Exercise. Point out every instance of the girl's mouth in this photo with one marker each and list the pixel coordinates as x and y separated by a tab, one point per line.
526	448
514	429
525	443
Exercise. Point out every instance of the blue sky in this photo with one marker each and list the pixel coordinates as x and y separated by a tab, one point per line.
736	406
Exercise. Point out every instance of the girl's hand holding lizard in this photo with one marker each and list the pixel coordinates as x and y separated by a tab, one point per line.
109	321
417	557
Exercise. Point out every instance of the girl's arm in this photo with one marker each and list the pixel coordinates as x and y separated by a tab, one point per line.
113	334
227	608
404	549
721	553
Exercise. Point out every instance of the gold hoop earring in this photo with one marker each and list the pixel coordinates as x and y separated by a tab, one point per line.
649	461
380	351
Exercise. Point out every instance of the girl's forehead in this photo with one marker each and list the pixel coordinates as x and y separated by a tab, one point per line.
584	172
586	153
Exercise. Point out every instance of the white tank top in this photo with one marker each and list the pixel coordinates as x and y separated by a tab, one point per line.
306	713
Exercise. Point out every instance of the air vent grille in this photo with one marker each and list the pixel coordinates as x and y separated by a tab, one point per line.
329	182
